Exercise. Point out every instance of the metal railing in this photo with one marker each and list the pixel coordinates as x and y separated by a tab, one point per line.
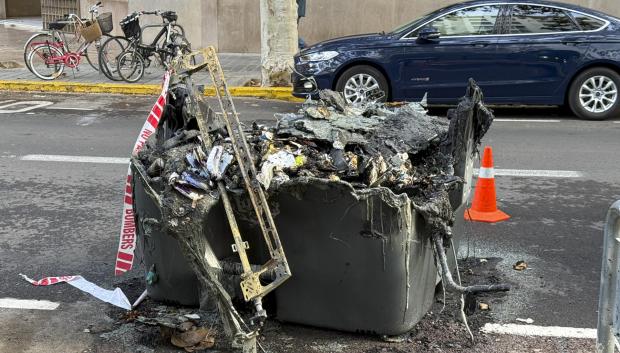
608	310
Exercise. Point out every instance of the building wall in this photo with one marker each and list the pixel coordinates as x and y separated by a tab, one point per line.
23	8
2	9
118	8
328	19
234	25
190	12
238	24
611	7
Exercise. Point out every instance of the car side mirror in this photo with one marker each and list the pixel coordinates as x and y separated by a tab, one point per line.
428	34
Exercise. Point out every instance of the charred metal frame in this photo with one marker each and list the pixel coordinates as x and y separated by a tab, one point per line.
276	269
251	286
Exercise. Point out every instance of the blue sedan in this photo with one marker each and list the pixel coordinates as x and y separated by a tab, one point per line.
525	53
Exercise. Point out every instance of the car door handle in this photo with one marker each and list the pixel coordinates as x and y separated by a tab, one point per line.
480	44
571	41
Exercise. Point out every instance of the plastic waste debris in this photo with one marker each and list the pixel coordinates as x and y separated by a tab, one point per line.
276	162
218	161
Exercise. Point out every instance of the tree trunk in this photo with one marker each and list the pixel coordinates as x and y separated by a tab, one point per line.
279	41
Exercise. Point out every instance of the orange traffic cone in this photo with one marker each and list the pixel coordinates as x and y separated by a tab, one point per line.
484	207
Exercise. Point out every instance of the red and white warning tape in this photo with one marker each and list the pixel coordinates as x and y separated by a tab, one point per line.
127	242
48	281
114	297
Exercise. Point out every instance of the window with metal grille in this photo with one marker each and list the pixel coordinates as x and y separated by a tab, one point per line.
54	10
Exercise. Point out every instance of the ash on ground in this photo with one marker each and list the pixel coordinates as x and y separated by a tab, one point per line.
439	331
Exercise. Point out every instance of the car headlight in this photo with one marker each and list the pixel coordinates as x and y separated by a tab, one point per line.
318	56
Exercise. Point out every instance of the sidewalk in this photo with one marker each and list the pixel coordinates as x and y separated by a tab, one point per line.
238	68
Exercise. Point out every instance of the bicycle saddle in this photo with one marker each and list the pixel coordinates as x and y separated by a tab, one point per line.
169	16
56	25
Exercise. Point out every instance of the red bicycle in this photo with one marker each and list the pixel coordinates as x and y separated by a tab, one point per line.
47	59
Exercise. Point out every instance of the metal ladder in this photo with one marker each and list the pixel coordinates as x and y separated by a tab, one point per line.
251	286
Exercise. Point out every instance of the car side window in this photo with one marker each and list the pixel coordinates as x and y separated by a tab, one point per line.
586	22
466	22
539	19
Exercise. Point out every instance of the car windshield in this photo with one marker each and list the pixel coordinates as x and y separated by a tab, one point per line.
419	20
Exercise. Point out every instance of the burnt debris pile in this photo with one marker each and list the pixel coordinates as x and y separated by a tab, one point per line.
372	146
394	146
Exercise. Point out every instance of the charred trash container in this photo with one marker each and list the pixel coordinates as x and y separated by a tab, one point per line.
361	256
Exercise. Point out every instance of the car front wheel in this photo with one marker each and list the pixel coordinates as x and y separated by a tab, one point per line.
363	84
594	94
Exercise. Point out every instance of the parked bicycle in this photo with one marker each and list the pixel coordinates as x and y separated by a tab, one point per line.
46	54
137	56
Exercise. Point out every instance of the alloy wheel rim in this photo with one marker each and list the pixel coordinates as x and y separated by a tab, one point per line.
598	94
359	87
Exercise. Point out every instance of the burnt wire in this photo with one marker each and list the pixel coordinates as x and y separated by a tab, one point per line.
462	297
469	221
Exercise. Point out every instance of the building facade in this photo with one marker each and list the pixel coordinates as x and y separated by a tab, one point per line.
234	25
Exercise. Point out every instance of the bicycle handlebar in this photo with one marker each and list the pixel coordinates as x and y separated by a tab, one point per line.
95	8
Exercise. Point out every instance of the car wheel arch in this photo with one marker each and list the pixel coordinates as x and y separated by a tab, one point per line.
372	64
596	64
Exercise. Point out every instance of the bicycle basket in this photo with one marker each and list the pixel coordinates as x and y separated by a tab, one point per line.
105	22
131	26
90	31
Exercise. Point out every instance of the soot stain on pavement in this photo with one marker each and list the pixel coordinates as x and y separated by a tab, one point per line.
439	330
568	245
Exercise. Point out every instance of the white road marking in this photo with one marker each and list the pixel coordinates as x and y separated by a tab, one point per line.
616	122
9	101
30	105
70	108
537	173
76	159
528	120
541	331
12	303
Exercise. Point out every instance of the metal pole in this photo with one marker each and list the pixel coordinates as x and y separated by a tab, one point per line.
608	296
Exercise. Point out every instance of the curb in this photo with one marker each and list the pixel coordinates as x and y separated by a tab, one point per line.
279	93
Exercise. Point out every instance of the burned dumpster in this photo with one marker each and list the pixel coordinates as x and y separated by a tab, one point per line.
362	198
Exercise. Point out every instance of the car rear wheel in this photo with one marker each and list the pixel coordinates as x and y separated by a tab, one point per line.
594	94
363	84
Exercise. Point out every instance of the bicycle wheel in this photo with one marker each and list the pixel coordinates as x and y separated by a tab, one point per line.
178	29
109	52
92	52
130	66
36	40
44	62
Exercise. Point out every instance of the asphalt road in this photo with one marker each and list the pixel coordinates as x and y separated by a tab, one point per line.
61	218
